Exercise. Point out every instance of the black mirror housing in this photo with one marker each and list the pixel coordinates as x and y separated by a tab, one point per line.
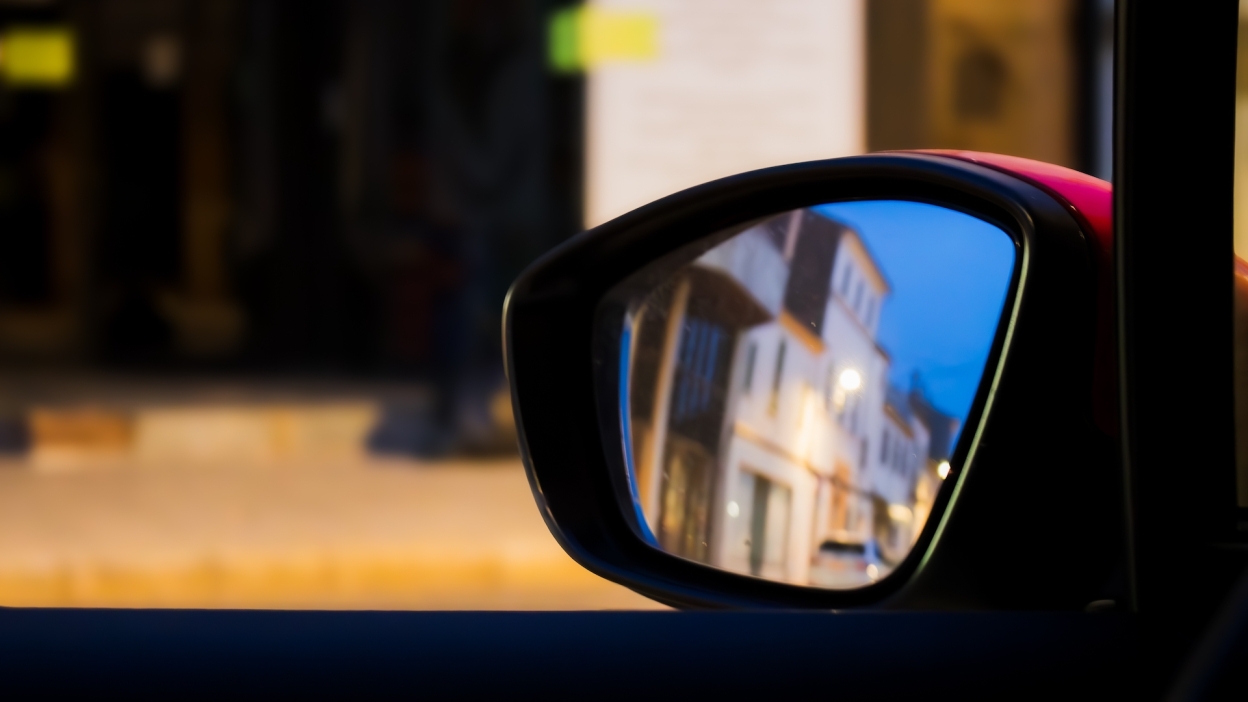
1020	525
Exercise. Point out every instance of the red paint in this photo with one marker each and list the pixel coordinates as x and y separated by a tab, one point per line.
1090	202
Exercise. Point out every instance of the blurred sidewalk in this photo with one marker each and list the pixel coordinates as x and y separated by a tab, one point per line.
177	492
347	533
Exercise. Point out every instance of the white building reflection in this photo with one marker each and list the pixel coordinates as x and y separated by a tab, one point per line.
766	437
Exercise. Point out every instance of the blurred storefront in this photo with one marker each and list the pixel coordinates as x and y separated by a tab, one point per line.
321	188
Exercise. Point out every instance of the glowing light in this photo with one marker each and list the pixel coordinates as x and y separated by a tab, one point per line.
40	57
873	572
943	470
900	513
850	379
838	398
734	509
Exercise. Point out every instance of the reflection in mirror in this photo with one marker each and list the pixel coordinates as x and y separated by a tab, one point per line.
792	398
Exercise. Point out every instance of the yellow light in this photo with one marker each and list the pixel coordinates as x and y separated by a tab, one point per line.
900	513
38	57
618	36
850	379
873	572
943	470
586	37
734	509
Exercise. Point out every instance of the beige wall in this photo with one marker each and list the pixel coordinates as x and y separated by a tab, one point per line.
984	75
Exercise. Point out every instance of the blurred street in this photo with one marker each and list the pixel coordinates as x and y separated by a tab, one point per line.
361	534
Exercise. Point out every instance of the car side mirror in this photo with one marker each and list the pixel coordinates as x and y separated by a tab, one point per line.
871	381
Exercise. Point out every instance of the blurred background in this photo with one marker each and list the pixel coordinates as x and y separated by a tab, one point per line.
253	254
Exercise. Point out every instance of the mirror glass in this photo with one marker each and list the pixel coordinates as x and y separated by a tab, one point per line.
791	397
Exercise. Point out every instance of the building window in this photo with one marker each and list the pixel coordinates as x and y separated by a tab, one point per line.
884	447
750	355
697	367
776	380
858	297
828	383
866	318
768	524
845	280
851	414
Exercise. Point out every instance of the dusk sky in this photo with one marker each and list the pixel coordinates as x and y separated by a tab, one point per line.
950	273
